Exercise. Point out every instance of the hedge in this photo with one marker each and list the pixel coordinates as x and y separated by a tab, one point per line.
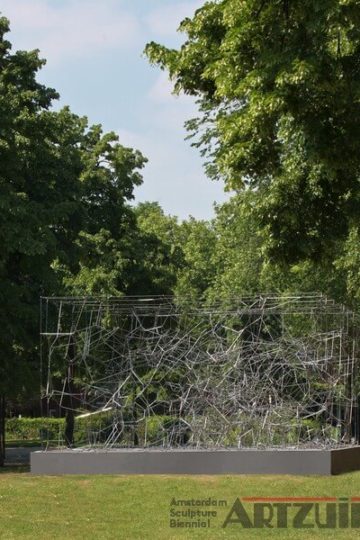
93	429
33	428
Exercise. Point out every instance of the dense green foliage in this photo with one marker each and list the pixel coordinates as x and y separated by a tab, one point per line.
66	225
34	429
278	85
93	429
65	218
222	257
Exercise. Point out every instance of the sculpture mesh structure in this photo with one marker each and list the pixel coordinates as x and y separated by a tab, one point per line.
265	371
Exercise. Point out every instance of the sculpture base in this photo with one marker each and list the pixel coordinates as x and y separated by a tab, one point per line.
190	461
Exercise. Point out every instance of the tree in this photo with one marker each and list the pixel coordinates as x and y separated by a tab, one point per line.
278	85
63	185
99	257
198	243
348	265
159	250
25	209
225	258
237	256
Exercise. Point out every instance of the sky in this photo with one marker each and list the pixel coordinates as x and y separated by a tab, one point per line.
94	52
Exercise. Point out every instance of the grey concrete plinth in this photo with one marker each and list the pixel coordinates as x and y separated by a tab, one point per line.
189	461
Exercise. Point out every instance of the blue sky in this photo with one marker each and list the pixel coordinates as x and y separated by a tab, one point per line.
94	52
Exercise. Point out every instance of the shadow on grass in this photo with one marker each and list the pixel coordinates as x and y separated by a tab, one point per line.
21	443
13	468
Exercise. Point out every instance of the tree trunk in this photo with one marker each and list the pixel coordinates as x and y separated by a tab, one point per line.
70	415
134	415
69	429
2	429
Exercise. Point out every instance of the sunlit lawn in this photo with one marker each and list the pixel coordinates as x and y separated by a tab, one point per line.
127	507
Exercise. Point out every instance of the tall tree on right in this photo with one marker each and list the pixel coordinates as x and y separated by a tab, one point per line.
278	86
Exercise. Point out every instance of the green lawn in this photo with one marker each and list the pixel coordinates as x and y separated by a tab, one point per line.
129	507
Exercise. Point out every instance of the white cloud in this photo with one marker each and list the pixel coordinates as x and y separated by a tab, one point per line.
168	110
164	21
161	91
174	175
73	28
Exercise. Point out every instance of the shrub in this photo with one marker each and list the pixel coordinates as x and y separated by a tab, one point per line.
34	428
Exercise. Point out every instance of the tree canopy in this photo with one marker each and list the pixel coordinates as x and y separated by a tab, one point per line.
278	86
65	188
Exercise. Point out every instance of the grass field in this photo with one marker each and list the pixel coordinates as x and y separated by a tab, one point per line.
137	507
